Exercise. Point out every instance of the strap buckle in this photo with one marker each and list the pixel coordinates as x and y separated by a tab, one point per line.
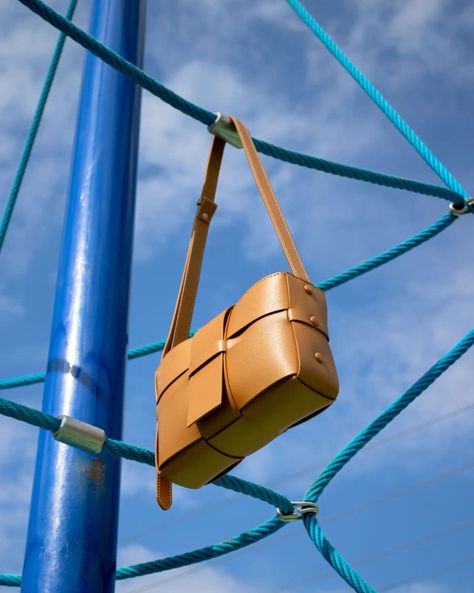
468	207
224	129
300	508
206	209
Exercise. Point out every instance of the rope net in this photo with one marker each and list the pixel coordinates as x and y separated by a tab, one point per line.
455	193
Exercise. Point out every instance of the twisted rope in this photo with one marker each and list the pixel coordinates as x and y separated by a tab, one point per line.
31	136
383	258
10	580
42	420
356	444
134	453
256	491
23	380
37	418
362	268
141	455
28	415
392	114
199	555
205	116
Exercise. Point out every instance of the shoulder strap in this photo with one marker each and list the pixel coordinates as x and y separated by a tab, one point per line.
182	317
270	201
183	313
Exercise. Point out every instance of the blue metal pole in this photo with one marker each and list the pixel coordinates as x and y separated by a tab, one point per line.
72	532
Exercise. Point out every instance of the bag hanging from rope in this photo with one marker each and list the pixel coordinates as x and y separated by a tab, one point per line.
258	368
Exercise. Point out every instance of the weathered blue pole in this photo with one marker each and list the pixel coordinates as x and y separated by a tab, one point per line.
72	533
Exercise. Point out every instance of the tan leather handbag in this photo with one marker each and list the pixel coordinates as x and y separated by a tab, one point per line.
258	368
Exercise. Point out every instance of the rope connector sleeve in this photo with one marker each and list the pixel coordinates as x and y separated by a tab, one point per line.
300	508
80	434
468	207
224	129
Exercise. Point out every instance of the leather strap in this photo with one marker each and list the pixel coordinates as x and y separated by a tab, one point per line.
270	201
183	313
182	317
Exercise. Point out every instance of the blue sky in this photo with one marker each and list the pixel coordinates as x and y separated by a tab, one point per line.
401	511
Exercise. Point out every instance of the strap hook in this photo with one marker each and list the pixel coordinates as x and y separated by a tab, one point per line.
224	129
468	207
300	508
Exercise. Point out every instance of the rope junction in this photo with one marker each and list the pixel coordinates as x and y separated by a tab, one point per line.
306	510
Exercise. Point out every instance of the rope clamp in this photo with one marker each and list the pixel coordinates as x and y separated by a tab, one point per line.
302	507
80	434
468	207
224	129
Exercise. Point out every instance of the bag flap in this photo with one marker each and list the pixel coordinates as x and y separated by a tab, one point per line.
207	342
266	296
205	389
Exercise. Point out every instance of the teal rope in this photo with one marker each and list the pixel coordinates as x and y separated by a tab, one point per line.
134	453
359	441
366	175
24	380
147	349
355	445
29	415
31	136
116	61
10	580
328	284
37	418
200	555
257	491
392	253
382	103
206	117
